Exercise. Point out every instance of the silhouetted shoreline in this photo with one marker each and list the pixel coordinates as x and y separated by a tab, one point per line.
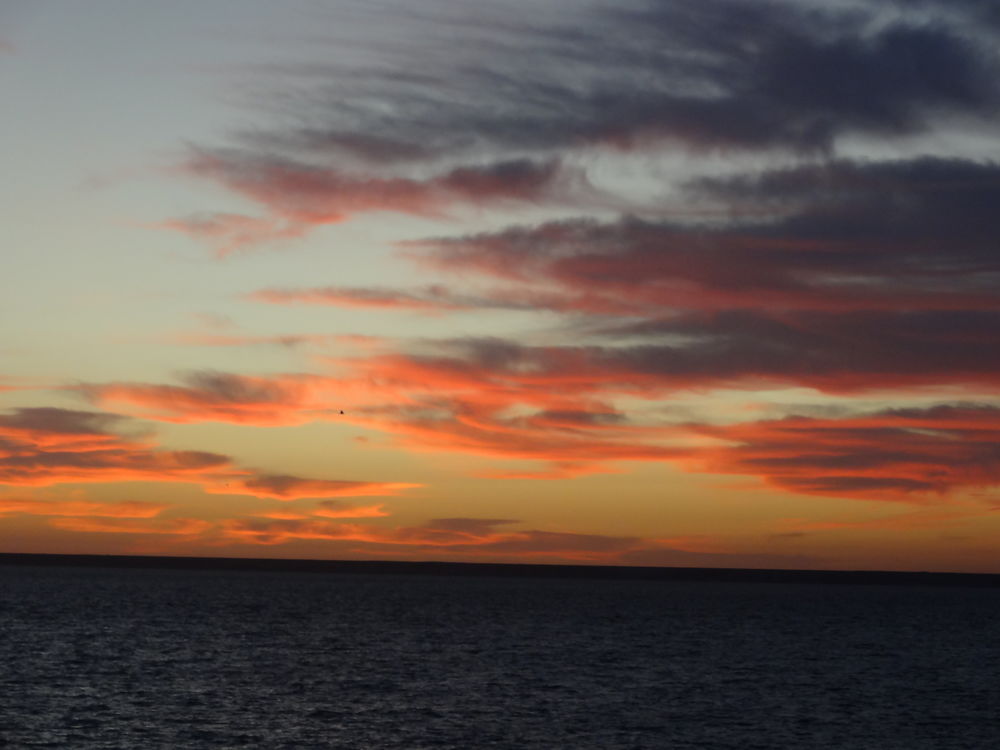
515	570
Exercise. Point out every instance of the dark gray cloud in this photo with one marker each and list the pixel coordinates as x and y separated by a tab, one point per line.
52	421
833	352
718	73
903	235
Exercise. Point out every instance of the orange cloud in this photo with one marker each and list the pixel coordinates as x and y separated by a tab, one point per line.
45	446
338	509
287	487
126	509
501	400
222	397
428	403
282	515
41	447
173	527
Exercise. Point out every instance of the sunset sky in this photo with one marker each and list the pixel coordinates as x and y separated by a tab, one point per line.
696	283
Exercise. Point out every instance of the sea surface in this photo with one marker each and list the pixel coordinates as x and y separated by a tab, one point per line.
126	658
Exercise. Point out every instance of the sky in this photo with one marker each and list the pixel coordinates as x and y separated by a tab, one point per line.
636	282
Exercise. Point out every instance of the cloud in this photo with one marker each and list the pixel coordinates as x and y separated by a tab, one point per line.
510	120
907	455
184	527
340	509
718	74
475	536
287	341
841	354
900	235
125	509
216	396
64	429
288	487
327	509
230	233
485	538
836	353
44	446
434	298
552	404
47	446
300	195
790	264
430	299
496	404
306	194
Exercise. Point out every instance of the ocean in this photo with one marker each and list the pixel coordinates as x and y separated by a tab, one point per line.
133	658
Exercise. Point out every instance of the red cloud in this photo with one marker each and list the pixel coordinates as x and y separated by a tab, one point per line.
909	455
304	195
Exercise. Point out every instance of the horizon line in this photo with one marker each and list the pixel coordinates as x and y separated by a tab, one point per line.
493	569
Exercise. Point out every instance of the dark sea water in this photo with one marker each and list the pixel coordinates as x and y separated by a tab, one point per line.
115	658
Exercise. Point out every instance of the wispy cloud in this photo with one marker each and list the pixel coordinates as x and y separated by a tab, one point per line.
230	233
299	196
722	73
